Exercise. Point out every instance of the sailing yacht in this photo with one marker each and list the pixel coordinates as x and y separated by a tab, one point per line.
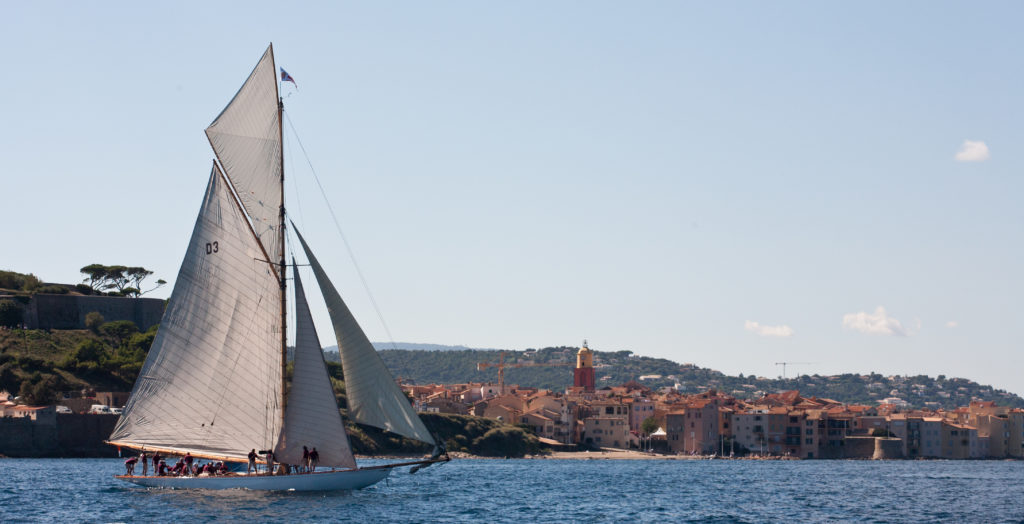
213	384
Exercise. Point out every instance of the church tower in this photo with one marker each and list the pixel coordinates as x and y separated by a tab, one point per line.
583	375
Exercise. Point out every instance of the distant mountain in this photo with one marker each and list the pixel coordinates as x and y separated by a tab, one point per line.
383	346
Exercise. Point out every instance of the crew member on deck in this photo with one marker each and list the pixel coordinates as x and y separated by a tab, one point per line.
314	458
252	463
270	461
129	466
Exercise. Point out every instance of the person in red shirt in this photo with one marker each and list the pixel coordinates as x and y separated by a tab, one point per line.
129	466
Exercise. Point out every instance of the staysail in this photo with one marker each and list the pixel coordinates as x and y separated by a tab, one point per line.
211	383
246	137
311	417
373	397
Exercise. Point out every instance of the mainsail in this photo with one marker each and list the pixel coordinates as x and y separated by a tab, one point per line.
211	383
246	137
373	397
312	418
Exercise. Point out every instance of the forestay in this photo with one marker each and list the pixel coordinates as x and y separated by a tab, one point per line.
246	137
311	416
211	382
373	397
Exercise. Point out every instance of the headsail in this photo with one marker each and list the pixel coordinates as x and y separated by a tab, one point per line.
246	137
211	383
373	397
311	418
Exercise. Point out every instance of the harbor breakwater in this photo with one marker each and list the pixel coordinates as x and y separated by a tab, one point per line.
69	435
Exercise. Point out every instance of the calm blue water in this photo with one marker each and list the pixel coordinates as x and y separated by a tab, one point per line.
549	491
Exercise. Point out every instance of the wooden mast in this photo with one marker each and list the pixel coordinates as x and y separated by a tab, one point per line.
281	233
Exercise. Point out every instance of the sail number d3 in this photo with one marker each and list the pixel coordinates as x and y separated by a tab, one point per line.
212	247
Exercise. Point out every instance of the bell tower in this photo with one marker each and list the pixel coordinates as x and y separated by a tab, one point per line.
583	375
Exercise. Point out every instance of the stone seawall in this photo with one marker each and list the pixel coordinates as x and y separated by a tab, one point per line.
888	448
72	435
858	447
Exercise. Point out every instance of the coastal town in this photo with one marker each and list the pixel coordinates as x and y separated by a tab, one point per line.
641	414
659	422
782	424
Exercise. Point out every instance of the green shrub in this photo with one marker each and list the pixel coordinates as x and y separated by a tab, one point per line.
9	379
93	321
334	370
118	331
141	341
31	364
506	441
18	281
129	371
53	290
649	425
11	313
89	351
41	390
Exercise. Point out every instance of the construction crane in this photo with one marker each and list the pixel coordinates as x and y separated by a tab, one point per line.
784	364
501	365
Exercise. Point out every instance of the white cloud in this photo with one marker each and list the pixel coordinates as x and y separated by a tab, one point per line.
877	323
768	331
952	324
972	151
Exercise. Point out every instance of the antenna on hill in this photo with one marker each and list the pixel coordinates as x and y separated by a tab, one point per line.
784	364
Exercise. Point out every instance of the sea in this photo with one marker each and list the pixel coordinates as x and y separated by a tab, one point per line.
590	491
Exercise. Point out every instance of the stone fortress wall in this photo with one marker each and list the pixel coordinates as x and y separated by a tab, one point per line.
69	311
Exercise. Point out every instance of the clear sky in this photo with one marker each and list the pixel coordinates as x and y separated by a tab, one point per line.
727	184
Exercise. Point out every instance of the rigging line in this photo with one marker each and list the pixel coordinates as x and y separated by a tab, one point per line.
344	239
295	184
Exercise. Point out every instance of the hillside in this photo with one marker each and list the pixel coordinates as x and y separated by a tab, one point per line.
614	368
41	363
38	364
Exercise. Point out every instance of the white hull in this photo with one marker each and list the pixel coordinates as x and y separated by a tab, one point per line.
325	481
